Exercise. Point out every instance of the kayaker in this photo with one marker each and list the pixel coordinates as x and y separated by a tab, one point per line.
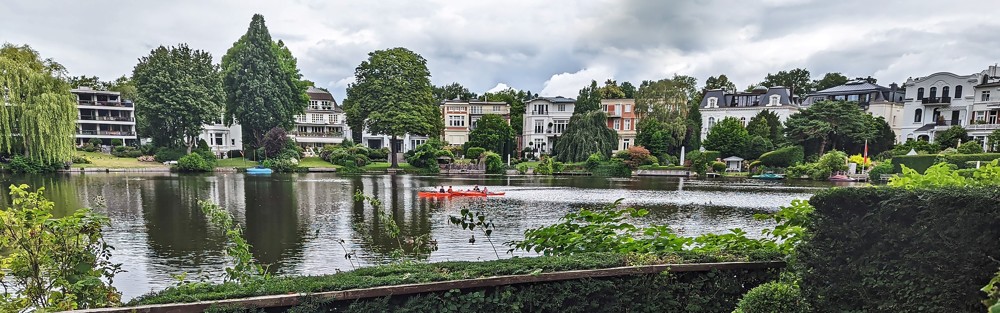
485	191
441	189
476	188
449	189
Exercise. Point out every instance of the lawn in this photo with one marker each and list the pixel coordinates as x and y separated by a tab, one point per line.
316	162
244	163
530	164
102	160
382	166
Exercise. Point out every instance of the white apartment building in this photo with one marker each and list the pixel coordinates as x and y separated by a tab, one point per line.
104	115
545	119
719	104
323	123
938	101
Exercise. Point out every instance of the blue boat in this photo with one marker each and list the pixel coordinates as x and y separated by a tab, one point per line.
259	170
769	176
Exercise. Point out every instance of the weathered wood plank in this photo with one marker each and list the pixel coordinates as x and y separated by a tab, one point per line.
287	300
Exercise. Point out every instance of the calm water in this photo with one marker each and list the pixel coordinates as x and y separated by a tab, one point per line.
295	222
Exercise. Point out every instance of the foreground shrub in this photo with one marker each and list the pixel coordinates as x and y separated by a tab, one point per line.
194	162
783	157
474	153
773	297
494	163
79	159
896	250
281	165
883	168
22	165
53	264
970	147
169	154
718	167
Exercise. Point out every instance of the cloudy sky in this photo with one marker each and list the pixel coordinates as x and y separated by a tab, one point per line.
548	47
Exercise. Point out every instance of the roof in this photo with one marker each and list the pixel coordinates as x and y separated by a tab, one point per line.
733	159
851	87
993	84
925	128
559	99
319	94
85	89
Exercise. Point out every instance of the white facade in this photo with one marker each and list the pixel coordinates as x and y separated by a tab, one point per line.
717	105
985	106
323	123
104	115
935	102
222	138
879	101
545	119
374	141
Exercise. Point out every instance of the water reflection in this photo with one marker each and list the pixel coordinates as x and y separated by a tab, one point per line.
295	222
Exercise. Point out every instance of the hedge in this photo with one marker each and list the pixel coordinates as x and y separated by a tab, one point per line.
711	291
962	160
894	250
919	163
783	157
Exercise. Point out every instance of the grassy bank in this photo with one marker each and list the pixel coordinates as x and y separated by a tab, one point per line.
102	160
388	275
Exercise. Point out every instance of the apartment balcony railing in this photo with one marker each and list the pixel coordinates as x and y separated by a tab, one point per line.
982	126
615	113
539	112
107	118
318	135
936	100
105	132
106	103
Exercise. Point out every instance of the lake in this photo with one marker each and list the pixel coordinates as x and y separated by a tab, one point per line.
305	224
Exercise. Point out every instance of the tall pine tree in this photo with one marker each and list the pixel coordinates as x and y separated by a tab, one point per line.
261	91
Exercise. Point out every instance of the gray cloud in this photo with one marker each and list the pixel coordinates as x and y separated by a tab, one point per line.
540	46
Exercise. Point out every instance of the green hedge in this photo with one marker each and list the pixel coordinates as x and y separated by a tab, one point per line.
919	163
712	291
962	160
783	157
893	250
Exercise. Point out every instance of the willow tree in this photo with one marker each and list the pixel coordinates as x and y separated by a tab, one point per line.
38	116
587	133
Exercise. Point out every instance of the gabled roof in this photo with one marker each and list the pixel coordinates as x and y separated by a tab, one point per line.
320	94
852	87
559	99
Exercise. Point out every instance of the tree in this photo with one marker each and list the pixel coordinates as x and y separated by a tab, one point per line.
453	91
830	80
767	124
392	95
586	134
492	133
589	99
881	138
274	142
629	90
662	107
692	137
755	147
827	124
516	99
262	90
728	137
951	137
38	118
993	141
611	90
180	91
798	80
721	82
869	79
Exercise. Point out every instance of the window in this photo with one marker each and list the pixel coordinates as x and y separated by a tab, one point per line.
920	93
560	126
333	118
628	124
539	126
618	124
218	140
933	92
980	117
416	142
317	118
561	108
958	91
456	121
743	121
711	122
713	102
774	101
986	96
625	143
945	91
918	116
539	109
477	109
497	108
852	98
538	144
298	118
313	104
628	108
474	123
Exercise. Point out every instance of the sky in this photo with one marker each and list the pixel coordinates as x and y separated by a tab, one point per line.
548	47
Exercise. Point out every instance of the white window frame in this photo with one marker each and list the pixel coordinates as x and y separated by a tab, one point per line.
628	124
456	121
713	102
775	100
628	108
561	107
617	125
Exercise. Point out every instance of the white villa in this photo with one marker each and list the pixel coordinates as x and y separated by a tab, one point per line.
222	138
545	120
938	101
719	104
323	123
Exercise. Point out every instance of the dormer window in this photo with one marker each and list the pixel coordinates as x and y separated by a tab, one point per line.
774	101
713	102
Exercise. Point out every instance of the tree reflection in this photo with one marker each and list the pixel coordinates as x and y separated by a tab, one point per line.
272	220
178	233
375	236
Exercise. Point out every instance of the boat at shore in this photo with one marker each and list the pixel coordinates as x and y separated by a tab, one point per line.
769	176
259	170
841	178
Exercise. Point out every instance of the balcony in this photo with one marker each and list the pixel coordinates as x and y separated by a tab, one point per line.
615	113
105	133
318	135
946	124
936	101
106	118
982	126
539	112
106	103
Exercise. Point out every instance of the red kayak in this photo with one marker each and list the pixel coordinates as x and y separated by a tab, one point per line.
434	194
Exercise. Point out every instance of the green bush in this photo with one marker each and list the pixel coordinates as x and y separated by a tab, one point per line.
522	168
613	168
96	142
593	161
883	168
783	157
544	166
970	147
169	154
474	153
346	154
828	164
773	297
895	250
22	165
281	165
712	155
962	160
194	162
799	170
718	167
117	142
919	163
79	159
919	146
425	155
702	291
381	154
494	163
